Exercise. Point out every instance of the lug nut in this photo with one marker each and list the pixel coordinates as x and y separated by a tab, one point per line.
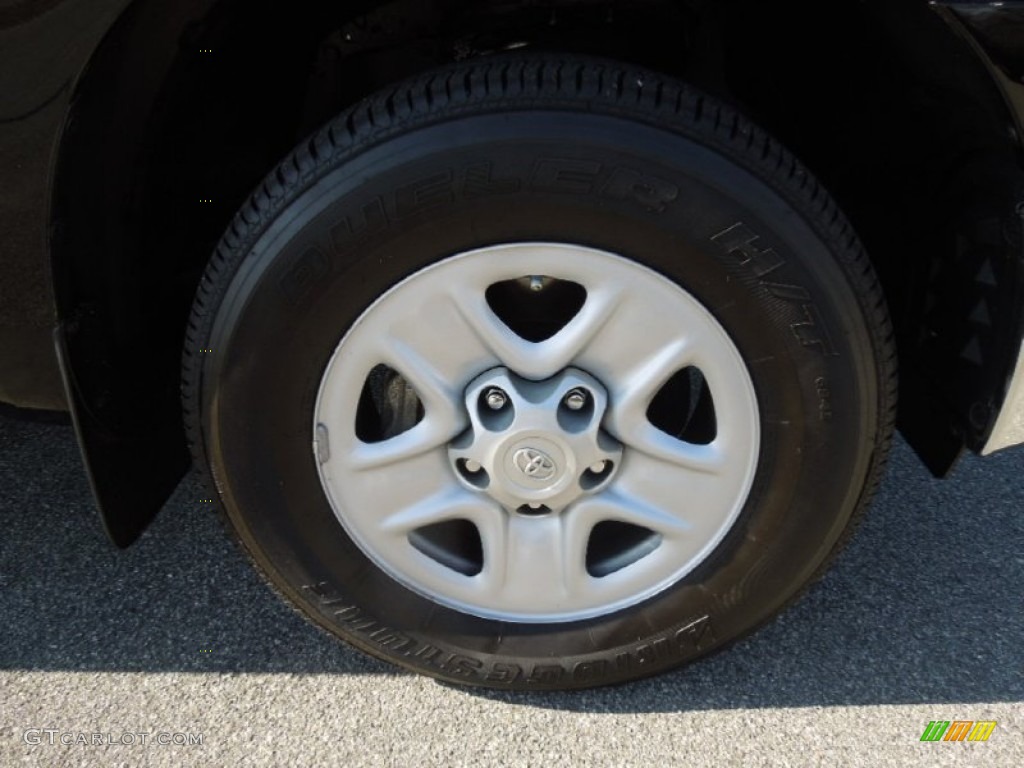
575	400
472	466
598	467
495	399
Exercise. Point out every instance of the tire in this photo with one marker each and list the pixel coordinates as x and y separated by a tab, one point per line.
405	222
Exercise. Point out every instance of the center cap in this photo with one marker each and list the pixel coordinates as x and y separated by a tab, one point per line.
535	446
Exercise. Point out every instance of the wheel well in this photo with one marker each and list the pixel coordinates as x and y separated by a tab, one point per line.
182	111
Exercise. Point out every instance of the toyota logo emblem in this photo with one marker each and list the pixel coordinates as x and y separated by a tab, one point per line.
534	464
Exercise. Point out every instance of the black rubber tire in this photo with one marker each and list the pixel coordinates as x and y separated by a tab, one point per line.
524	149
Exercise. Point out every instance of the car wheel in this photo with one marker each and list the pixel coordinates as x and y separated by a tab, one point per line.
540	372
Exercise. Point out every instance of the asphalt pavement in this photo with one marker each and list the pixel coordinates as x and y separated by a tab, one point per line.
176	640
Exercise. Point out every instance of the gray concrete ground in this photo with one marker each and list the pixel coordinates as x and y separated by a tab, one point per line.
921	619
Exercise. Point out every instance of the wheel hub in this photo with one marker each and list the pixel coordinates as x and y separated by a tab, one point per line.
535	446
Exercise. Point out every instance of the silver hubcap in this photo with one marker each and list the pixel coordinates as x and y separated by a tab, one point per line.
537	476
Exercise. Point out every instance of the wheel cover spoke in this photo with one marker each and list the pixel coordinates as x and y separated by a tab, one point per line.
531	557
544	359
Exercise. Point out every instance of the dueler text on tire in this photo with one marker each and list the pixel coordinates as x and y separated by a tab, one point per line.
540	372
